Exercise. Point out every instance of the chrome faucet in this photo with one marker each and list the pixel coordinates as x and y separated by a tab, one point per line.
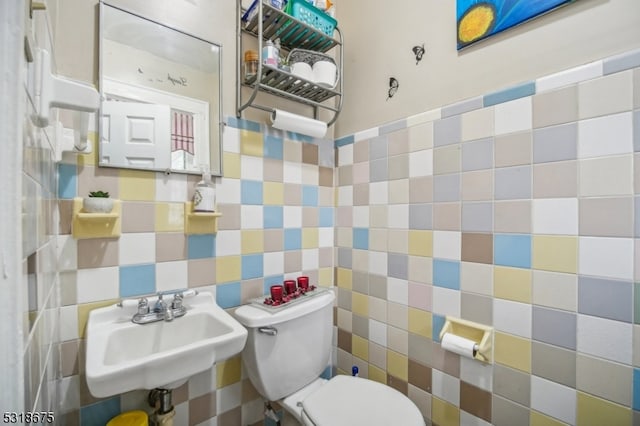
162	311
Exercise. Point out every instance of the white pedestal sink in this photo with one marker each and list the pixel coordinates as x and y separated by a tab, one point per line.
123	356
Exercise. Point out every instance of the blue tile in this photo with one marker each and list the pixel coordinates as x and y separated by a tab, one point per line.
137	279
636	388
624	61
273	217
325	218
398	265
506	95
446	273
347	140
228	295
392	127
240	123
605	298
512	250
273	147
447	131
67	181
446	187
345	258
554	327
310	195
437	323
201	246
271	280
361	238
252	266
251	192
293	239
100	413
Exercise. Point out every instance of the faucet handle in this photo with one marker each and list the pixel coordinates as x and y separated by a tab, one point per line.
143	306
160	305
177	301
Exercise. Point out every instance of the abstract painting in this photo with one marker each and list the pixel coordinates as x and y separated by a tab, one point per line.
479	19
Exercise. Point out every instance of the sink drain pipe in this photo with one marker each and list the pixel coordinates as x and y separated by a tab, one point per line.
160	399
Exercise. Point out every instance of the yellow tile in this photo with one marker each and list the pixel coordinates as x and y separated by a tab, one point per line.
421	243
252	241
169	217
443	413
512	351
345	277
325	277
137	185
273	193
90	159
397	365
231	165
555	253
539	419
512	284
420	322
360	347
593	411
377	374
360	304
228	372
251	143
228	268
309	238
83	313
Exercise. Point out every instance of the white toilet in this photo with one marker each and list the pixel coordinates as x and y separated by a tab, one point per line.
288	348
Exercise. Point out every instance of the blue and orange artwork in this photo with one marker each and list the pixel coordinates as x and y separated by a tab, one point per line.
479	19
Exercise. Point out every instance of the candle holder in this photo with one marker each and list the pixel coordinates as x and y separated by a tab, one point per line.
290	287
276	293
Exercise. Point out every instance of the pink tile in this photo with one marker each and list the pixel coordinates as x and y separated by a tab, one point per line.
420	296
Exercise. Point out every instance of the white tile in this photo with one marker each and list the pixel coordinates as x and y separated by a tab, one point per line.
399	191
421	163
68	323
570	76
513	116
251	168
445	387
230	139
252	412
360	260
366	134
251	217
447	245
202	383
606	176
477	124
171	275
557	216
172	187
467	419
398	291
378	262
182	413
378	332
361	216
292	172
310	174
228	243
228	191
67	253
228	397
273	263
424	117
555	290
446	301
606	257
69	394
378	193
512	317
610	94
310	259
605	338
345	195
398	216
292	216
553	399
135	248
608	135
476	278
98	284
325	237
345	155
476	373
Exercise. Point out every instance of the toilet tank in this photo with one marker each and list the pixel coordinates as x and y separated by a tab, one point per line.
287	347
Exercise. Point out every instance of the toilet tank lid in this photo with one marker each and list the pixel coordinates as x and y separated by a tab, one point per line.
252	315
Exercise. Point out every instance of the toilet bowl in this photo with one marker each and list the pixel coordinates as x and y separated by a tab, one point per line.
287	349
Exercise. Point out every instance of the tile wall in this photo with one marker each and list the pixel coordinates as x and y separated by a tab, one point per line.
277	205
518	210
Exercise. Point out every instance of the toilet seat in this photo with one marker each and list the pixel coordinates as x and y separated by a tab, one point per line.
353	401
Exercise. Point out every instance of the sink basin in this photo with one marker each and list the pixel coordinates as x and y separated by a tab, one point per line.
123	356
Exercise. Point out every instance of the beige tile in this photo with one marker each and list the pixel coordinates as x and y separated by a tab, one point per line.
325	176
201	272
231	215
91	178
292	194
360	172
477	124
69	360
398	166
606	217
399	191
476	278
292	261
477	185
202	408
398	142
398	315
171	246
447	216
605	379
378	355
398	340
361	194
608	176
513	149
555	180
605	95
310	153
421	137
378	239
636	173
378	216
361	151
138	216
398	241
446	159
421	189
66	214
420	269
555	107
97	253
512	216
555	290
292	151
378	309
345	175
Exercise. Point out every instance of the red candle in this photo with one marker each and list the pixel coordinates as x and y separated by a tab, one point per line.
303	282
290	286
276	293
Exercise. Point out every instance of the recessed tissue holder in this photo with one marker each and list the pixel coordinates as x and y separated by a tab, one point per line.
468	339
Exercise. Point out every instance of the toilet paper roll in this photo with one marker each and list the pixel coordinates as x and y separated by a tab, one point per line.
296	123
459	345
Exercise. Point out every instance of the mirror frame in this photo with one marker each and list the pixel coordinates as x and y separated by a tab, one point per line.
215	169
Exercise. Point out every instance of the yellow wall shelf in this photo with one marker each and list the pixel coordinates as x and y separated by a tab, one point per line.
199	222
95	225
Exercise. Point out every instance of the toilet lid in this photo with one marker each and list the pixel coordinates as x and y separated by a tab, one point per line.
353	401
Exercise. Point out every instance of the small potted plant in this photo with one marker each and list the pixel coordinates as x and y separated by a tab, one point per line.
97	202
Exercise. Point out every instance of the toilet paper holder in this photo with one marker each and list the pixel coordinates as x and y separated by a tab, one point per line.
481	334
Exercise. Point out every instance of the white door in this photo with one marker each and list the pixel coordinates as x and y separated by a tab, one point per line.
136	134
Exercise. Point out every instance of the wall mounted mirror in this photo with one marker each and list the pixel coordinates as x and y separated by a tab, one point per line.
161	96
